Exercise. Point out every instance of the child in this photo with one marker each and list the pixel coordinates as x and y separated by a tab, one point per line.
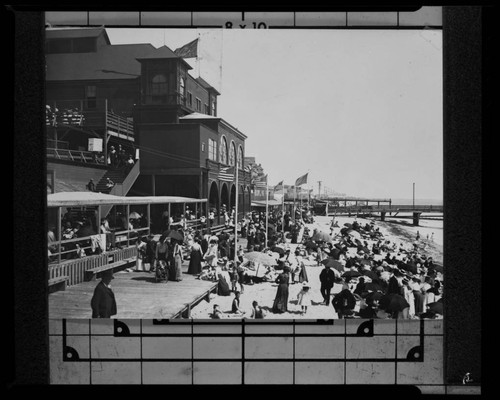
217	313
304	298
257	311
235	309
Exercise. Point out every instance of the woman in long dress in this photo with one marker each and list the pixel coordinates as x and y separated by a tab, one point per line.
195	258
178	261
280	304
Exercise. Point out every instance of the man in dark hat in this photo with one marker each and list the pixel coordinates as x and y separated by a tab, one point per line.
103	301
327	278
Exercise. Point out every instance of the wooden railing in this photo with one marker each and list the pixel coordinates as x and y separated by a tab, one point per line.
75	269
120	125
87	157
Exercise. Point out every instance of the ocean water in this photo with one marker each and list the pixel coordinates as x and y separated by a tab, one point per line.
418	202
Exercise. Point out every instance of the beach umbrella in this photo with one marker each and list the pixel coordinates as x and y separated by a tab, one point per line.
134	215
353	233
332	263
175	235
374	296
259	257
279	250
350	274
370	274
322	237
408	267
365	261
436	307
348	225
393	303
373	287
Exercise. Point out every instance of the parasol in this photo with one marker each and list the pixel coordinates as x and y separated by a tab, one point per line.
322	237
332	263
353	233
393	303
370	274
259	257
279	250
175	235
350	274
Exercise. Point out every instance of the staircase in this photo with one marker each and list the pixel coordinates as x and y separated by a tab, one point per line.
123	181
116	175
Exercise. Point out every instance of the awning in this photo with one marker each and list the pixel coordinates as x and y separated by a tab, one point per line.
262	203
75	199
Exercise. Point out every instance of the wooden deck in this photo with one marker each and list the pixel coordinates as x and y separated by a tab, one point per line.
137	296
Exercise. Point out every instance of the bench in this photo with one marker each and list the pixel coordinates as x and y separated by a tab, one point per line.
91	274
58	283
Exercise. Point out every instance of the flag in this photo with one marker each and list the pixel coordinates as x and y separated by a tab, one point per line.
226	174
279	186
301	180
189	50
248	168
261	182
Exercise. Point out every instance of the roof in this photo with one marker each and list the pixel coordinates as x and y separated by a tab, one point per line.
120	58
90	66
74	199
206	85
64	33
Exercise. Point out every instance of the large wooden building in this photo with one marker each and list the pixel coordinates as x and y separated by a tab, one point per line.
143	99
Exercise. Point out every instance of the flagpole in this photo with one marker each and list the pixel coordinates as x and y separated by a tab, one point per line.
283	210
294	205
236	215
267	212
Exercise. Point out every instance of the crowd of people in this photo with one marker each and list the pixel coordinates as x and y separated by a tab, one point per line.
373	277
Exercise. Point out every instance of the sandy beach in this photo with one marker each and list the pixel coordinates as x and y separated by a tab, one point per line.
398	231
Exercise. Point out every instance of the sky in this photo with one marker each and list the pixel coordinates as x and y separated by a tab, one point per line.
359	110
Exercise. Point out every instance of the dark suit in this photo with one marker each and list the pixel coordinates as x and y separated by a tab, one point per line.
327	278
103	302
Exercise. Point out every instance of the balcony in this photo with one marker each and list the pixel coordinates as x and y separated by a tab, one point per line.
92	114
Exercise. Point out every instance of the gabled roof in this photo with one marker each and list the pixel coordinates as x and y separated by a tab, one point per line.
206	85
90	66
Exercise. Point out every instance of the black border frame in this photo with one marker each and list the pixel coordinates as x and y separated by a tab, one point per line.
466	79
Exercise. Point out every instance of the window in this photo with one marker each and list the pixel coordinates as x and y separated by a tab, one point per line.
90	95
213	108
159	85
183	88
198	104
190	99
232	154
212	150
207	110
203	147
240	157
223	150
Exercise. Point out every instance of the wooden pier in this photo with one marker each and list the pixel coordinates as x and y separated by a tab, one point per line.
137	296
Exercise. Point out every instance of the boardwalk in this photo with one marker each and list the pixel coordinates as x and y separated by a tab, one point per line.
137	296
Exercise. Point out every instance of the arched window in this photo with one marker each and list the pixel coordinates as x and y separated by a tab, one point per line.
223	150
232	154
159	85
240	157
183	87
